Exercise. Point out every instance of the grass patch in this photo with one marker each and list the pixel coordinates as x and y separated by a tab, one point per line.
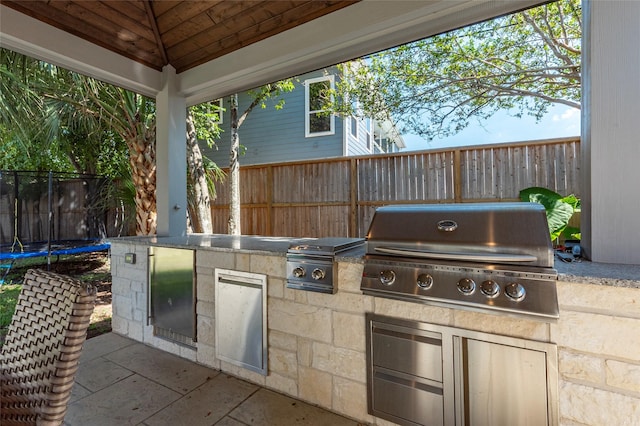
8	298
99	327
89	268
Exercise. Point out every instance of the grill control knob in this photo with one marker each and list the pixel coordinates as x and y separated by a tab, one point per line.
490	288
387	277
515	291
425	281
318	274
299	272
466	286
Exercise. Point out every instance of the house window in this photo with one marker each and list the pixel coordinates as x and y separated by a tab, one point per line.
218	109
354	126
368	132
318	120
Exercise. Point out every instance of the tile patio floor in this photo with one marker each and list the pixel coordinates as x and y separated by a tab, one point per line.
123	382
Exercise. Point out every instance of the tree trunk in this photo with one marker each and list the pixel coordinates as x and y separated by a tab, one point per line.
199	205
142	159
234	171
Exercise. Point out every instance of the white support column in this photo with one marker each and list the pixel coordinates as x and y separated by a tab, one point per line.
610	132
171	157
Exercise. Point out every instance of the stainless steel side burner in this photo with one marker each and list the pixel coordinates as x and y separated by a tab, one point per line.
310	264
493	257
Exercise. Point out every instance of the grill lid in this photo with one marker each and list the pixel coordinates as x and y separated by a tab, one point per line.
496	233
324	246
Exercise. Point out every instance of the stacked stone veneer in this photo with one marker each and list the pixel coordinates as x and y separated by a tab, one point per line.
317	341
598	337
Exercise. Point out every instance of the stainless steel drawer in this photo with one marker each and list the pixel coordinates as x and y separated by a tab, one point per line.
406	400
407	350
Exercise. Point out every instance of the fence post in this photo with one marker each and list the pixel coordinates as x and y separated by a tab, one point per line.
269	191
457	177
353	199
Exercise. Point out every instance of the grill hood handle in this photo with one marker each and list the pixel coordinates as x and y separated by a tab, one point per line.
468	257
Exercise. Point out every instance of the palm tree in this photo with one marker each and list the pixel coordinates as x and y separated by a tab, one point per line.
58	106
129	115
98	124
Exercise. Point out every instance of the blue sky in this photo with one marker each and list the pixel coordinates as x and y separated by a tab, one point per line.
560	121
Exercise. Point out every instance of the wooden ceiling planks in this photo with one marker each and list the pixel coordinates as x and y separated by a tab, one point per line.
199	23
183	33
73	17
237	30
244	29
181	12
163	6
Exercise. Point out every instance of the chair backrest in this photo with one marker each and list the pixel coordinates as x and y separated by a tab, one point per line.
42	347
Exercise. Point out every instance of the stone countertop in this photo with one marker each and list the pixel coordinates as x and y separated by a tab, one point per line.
582	271
239	243
612	274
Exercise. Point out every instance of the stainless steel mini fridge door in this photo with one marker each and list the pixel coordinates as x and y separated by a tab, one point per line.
172	293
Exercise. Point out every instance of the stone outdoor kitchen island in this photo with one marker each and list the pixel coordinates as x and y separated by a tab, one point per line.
316	342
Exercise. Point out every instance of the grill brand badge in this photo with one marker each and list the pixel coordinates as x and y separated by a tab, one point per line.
447	225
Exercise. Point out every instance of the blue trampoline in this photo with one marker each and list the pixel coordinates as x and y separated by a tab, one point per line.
8	257
50	214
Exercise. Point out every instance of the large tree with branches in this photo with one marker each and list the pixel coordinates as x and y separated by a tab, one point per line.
522	63
259	97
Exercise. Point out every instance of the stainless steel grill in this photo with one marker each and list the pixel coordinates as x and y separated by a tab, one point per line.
485	256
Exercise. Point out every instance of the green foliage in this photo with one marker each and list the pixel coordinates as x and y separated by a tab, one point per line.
559	209
206	117
53	119
522	62
14	155
272	91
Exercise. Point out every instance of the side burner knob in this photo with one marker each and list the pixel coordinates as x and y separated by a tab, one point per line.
466	286
425	281
299	272
318	274
387	277
515	291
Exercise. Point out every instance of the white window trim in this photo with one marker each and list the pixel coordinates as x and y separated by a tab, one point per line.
356	120
352	120
369	138
307	112
220	111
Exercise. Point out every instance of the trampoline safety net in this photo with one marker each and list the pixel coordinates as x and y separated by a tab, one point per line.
52	207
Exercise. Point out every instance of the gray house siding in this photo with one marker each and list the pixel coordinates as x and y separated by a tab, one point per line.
357	146
272	136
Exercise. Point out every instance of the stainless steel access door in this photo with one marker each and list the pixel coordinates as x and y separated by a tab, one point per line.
241	319
502	384
172	293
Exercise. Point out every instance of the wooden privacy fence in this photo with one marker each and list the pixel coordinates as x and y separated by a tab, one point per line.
337	197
